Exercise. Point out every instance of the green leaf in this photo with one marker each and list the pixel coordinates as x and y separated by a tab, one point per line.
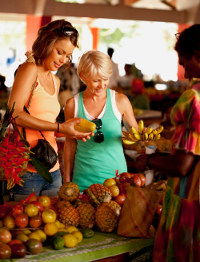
41	169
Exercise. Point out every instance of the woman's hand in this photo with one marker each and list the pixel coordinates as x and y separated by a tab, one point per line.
67	128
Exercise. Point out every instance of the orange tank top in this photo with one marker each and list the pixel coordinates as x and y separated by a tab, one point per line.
46	107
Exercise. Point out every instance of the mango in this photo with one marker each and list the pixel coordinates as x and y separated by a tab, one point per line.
85	126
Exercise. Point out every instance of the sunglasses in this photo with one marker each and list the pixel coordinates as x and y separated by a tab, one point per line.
98	137
69	31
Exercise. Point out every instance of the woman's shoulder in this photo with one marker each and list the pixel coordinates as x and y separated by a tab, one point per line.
27	68
120	97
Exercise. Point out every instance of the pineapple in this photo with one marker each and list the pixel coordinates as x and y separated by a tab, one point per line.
114	206
106	219
69	191
87	215
62	203
99	193
69	216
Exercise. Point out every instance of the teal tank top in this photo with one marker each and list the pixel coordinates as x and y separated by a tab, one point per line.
95	162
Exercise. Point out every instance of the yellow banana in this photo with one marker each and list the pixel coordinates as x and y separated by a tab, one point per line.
159	129
148	130
140	126
154	131
157	137
133	130
151	136
127	141
132	137
126	134
146	136
137	136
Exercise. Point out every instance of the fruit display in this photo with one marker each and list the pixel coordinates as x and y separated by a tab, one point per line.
30	224
64	221
142	134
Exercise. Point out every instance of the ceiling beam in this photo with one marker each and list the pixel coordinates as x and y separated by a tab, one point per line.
52	8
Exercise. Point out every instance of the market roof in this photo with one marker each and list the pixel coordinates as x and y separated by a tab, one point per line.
178	11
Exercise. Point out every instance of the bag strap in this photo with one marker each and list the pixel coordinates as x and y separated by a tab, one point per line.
27	108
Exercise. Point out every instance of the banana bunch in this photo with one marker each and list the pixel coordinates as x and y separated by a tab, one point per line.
142	134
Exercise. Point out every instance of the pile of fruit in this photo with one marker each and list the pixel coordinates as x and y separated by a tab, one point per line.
142	134
63	221
97	207
27	226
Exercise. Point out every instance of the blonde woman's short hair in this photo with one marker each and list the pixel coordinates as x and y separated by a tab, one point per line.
93	63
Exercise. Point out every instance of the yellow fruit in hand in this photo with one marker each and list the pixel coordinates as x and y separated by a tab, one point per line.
85	126
71	229
70	240
49	215
50	229
78	235
109	182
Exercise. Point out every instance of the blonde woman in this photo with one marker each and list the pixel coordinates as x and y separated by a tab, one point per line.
98	158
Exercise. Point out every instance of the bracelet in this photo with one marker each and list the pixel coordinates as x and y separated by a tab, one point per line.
58	127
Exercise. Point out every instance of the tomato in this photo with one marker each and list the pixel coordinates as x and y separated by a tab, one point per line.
31	210
14	241
18	250
159	209
5	251
120	199
39	205
143	179
3	211
125	177
136	181
34	246
5	235
16	210
21	220
35	221
9	221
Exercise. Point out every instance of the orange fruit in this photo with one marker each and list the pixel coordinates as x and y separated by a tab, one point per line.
109	182
31	210
44	200
49	215
50	229
114	190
